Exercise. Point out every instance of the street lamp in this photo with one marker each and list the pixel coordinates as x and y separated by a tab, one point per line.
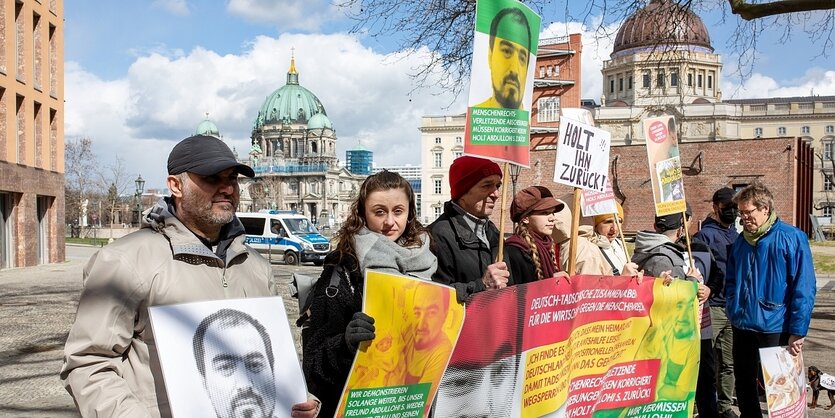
140	187
514	175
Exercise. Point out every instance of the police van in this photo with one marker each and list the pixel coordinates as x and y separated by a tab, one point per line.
285	232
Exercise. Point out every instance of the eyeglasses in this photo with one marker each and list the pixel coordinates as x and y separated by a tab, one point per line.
747	213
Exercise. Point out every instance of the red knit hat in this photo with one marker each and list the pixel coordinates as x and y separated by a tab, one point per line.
466	171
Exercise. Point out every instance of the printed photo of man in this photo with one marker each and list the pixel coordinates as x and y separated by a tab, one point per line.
239	377
508	58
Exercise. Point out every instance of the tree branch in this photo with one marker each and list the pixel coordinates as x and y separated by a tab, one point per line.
751	11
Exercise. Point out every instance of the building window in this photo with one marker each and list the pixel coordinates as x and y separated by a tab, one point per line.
629	84
19	41
830	129
710	81
758	132
826	211
53	62
620	84
556	71
437	161
673	79
438	140
437	211
36	51
805	130
457	154
549	70
20	129
437	186
38	122
828	147
699	81
827	182
611	85
781	130
659	80
645	81
690	80
542	71
458	140
549	109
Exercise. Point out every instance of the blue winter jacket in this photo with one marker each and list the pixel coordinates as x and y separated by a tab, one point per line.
770	288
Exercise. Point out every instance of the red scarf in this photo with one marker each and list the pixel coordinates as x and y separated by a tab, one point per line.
543	249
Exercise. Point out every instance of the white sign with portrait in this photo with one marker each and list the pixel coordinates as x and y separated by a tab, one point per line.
228	358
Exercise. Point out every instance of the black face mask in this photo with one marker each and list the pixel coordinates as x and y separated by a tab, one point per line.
728	215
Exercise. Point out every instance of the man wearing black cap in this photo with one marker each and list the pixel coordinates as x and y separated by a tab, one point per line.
190	248
719	232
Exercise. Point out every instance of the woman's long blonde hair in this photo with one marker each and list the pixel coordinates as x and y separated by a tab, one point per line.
521	230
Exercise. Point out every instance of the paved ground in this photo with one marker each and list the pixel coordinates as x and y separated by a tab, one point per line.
37	307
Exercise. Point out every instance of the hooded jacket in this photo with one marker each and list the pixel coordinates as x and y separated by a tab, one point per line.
589	259
110	365
655	253
719	239
770	287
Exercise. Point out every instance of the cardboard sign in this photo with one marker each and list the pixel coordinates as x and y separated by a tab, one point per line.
582	156
501	86
664	165
785	383
595	203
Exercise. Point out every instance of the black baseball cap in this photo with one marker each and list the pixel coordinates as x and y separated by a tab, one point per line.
724	196
672	221
204	155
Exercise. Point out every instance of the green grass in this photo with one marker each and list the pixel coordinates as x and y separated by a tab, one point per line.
98	242
824	264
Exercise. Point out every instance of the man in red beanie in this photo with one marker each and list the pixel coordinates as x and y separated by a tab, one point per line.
465	241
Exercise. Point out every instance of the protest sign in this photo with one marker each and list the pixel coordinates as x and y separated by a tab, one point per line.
212	351
602	346
582	156
501	86
785	383
664	165
594	203
396	375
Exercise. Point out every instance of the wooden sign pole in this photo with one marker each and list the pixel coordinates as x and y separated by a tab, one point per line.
502	211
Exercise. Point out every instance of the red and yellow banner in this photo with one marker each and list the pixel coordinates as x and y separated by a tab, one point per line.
599	346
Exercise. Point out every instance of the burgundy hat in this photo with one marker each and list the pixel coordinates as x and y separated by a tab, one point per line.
532	199
466	171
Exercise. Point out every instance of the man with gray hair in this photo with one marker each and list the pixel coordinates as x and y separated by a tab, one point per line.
769	290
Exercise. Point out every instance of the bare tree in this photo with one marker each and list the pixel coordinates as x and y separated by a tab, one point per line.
446	26
114	178
80	176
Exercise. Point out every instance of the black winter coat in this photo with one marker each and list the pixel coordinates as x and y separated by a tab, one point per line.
462	257
326	357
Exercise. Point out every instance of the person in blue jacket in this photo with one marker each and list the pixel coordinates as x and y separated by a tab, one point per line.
769	290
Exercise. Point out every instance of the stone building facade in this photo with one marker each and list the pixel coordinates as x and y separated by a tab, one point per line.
31	132
294	157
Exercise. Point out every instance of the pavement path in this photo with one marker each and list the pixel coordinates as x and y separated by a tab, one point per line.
38	304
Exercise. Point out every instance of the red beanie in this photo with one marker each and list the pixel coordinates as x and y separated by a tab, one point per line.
466	171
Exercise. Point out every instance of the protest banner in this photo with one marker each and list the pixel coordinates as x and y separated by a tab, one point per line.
594	203
212	351
785	382
501	87
396	375
664	165
582	156
602	346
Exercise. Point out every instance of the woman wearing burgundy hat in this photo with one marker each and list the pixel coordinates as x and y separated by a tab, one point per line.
531	252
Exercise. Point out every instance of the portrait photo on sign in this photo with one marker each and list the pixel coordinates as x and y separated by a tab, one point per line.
228	358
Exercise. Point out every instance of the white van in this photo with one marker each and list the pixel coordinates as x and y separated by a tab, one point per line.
287	233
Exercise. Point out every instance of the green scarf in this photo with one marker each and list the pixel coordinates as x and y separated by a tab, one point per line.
753	237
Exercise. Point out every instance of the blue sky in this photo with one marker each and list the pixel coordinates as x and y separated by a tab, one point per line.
141	75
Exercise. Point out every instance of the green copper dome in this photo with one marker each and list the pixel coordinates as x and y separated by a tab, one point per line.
319	121
291	103
207	128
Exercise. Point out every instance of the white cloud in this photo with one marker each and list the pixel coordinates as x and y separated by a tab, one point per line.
816	81
175	7
287	14
163	98
598	42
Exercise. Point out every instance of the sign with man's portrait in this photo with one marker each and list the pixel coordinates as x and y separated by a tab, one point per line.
228	358
501	86
397	373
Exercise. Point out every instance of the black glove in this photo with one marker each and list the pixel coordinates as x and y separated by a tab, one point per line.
361	328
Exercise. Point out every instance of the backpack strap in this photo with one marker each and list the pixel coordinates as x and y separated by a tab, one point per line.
331	291
615	270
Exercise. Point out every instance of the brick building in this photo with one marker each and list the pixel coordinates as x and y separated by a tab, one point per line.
31	132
